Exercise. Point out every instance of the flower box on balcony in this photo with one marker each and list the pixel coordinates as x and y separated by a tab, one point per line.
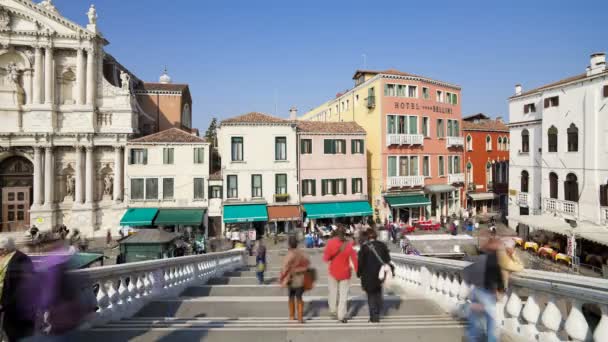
281	197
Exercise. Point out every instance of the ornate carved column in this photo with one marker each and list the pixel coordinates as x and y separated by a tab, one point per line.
49	76
80	77
49	176
37	75
89	176
78	186
37	176
118	158
91	77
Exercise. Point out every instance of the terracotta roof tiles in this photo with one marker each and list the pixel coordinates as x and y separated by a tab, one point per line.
485	125
255	117
151	86
171	135
330	127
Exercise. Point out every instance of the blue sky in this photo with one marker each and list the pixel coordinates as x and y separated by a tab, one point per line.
241	56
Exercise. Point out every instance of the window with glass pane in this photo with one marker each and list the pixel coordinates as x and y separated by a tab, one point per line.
357	185
199	188
425	127
215	191
450	164
256	185
404	169
572	138
151	188
137	188
390	124
488	143
340	186
402	125
552	134
392	166
232	186
281	184
450	132
456	128
138	156
525	141
454	99
425	93
440	128
237	148
456	164
340	146
306	146
412	91
167	188
440	166
413	125
401	90
308	187
167	155
414	166
426	167
199	155
357	146
280	148
389	90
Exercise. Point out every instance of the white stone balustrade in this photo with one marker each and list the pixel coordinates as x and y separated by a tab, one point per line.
567	208
539	306
121	290
404	139
401	181
455	178
454	141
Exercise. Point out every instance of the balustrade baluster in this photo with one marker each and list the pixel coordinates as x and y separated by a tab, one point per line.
551	319
530	314
601	331
576	325
513	307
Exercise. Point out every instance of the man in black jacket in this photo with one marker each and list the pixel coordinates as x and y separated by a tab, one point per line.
372	256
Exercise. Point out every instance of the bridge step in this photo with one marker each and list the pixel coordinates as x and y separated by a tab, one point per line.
258	290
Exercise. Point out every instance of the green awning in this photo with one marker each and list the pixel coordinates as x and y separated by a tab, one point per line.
407	201
83	260
138	217
245	213
337	209
186	217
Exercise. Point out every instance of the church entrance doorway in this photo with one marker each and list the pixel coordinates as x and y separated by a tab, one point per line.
16	177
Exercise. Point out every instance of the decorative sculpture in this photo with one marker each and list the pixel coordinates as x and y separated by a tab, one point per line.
108	182
70	185
92	14
124	78
12	73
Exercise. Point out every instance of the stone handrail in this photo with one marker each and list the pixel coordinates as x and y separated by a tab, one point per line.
119	291
539	305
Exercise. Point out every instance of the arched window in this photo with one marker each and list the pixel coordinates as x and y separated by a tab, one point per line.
553	185
572	138
505	141
500	143
488	173
469	143
525	141
488	143
524	181
571	188
469	172
552	135
186	116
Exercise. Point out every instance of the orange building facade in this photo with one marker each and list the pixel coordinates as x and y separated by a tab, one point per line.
486	158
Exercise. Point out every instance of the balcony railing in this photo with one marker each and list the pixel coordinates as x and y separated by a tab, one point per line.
539	305
455	178
405	181
556	206
454	141
281	198
404	139
604	215
522	199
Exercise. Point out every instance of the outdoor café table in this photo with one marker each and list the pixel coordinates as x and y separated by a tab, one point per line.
531	245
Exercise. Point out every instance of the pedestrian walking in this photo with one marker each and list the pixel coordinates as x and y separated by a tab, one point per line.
485	274
295	265
341	256
373	256
16	279
260	261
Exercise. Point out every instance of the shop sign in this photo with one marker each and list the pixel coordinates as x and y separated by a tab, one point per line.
412	105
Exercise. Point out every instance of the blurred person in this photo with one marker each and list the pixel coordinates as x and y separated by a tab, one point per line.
373	256
508	261
294	267
17	310
260	261
485	274
341	256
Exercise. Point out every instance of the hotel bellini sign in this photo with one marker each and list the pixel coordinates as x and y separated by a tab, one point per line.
411	105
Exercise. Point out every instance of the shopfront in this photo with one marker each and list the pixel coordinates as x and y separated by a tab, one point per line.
444	198
337	212
483	202
283	218
407	208
246	217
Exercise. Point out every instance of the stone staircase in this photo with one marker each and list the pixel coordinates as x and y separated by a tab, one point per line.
234	308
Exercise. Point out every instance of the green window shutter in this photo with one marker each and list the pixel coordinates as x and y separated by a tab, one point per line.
343	142
362	146
323	187
352	146
145	156
327	144
314	187
353	185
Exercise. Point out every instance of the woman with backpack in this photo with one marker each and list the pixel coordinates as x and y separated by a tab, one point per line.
374	268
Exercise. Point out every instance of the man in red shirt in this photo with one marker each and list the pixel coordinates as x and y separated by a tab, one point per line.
340	255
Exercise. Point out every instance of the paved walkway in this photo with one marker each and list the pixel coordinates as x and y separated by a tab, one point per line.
235	308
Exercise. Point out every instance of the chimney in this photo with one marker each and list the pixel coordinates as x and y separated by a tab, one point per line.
517	89
499	118
597	63
293	114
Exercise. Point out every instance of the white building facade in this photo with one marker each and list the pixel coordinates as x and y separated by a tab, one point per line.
64	126
168	170
259	166
559	155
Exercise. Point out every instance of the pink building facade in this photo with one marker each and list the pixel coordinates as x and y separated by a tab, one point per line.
332	163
